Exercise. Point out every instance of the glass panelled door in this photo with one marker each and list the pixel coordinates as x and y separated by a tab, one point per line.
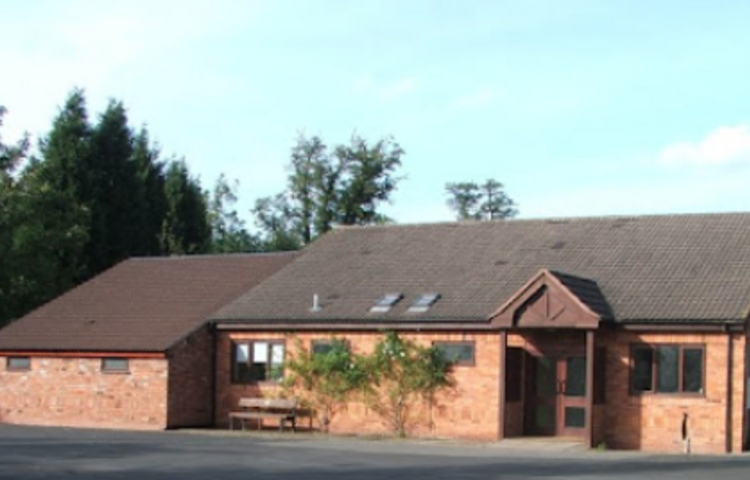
572	401
557	404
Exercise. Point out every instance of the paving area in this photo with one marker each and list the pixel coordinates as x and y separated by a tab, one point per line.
36	453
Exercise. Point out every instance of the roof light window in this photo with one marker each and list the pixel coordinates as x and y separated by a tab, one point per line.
386	302
423	302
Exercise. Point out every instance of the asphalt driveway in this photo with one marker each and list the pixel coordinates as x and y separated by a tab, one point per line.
27	452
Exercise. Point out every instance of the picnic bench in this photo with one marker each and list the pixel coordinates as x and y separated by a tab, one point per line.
282	409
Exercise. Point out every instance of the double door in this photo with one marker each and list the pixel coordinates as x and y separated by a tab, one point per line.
557	396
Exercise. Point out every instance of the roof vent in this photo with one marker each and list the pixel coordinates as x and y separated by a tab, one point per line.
316	304
386	302
423	302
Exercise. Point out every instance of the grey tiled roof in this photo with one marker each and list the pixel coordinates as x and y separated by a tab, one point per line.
671	268
142	304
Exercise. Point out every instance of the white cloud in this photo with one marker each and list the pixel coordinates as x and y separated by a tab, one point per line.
724	146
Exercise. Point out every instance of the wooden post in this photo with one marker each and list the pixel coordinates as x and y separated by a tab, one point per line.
590	359
501	391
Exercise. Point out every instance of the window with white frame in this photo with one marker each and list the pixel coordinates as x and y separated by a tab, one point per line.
257	361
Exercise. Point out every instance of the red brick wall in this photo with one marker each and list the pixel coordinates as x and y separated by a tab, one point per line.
645	422
74	392
467	411
190	386
654	422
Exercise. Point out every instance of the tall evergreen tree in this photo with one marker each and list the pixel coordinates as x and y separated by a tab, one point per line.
113	193
185	229
11	157
152	206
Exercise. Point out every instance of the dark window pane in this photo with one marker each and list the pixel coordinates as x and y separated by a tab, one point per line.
257	372
643	369
459	353
544	416
115	364
575	417
19	363
692	370
575	377
545	381
667	369
321	347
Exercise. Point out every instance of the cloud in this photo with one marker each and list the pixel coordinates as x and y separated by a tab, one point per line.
724	146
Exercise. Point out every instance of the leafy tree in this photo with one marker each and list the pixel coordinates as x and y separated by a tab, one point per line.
186	229
345	186
228	233
325	379
404	374
486	201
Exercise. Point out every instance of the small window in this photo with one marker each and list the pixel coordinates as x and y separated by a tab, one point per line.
18	363
668	369
423	302
321	347
257	362
115	365
386	302
458	353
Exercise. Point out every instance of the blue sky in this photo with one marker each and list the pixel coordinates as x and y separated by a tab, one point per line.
578	107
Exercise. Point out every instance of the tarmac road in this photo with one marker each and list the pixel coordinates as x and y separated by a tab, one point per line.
41	453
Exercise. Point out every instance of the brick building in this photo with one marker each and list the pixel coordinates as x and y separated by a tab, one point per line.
128	349
629	332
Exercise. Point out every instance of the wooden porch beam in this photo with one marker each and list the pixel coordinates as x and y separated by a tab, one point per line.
501	391
590	358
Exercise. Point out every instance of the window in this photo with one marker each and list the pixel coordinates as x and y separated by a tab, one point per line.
324	346
321	347
423	302
667	369
386	302
257	362
18	363
115	365
458	353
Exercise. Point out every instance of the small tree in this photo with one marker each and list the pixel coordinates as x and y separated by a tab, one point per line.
324	379
486	201
404	374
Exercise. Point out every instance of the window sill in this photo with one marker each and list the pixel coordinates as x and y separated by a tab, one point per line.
669	394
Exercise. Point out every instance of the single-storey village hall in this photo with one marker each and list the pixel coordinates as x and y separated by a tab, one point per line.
629	332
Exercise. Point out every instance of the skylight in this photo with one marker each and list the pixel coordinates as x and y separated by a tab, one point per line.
386	302
423	302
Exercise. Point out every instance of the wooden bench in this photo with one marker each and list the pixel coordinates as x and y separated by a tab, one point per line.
285	410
